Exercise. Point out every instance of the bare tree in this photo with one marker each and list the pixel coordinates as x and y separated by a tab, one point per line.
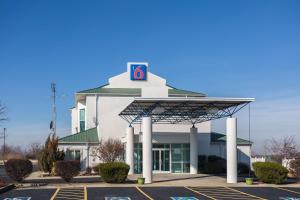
109	151
11	152
2	113
33	150
285	147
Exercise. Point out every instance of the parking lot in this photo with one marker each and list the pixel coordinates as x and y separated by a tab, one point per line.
156	193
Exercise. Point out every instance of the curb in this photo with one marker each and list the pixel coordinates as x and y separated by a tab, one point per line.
7	188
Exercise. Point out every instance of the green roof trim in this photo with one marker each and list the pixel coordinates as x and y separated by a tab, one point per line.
113	91
221	138
89	135
137	92
175	92
93	90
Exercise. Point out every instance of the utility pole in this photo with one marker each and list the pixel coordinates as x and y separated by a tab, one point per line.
4	137
53	97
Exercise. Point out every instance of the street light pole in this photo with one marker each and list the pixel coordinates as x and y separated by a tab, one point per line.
4	130
4	137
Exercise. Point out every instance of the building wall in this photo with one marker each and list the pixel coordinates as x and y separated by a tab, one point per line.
204	143
111	125
244	152
219	149
74	120
79	105
90	111
93	161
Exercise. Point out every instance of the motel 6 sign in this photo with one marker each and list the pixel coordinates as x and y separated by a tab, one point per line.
138	72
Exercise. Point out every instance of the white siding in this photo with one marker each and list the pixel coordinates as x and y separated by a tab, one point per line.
83	154
90	112
74	120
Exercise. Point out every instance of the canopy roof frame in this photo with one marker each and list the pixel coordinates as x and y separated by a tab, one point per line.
182	110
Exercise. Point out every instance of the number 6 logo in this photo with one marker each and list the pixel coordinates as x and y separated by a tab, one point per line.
138	72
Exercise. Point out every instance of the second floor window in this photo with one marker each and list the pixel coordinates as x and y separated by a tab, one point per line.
82	120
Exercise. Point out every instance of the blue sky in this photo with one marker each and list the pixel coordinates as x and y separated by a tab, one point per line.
221	48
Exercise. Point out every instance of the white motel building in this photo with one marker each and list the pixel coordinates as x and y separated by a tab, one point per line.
163	128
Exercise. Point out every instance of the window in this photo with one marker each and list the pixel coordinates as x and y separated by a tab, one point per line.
138	158
82	120
180	158
72	155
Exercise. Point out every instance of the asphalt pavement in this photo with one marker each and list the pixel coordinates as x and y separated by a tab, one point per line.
154	193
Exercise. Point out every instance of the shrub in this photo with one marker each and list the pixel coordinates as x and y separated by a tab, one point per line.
270	172
295	168
67	169
18	169
88	171
111	150
114	172
96	169
49	154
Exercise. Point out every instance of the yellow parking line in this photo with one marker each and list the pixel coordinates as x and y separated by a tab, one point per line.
244	193
69	195
85	193
207	189
71	198
54	195
287	190
141	191
223	194
70	192
200	193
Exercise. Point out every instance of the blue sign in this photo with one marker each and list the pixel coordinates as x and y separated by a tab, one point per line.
138	72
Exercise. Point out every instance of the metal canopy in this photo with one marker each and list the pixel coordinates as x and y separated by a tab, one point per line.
182	110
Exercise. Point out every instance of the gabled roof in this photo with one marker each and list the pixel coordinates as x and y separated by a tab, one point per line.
89	135
172	92
221	138
175	92
184	93
113	91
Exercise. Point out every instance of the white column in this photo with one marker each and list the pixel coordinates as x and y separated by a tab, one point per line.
129	148
231	149
147	149
193	150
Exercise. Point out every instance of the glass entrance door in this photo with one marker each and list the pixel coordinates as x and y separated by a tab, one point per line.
156	160
161	160
165	160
